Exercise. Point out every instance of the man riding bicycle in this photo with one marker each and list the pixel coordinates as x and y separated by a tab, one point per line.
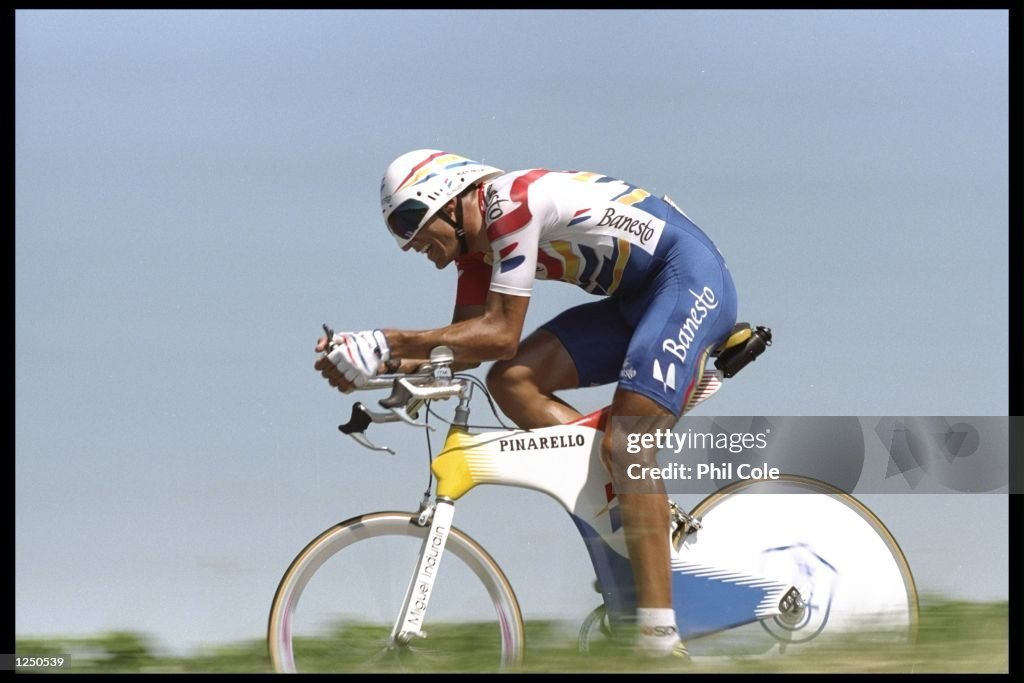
667	299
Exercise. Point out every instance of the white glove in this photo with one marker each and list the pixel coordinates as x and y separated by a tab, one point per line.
358	354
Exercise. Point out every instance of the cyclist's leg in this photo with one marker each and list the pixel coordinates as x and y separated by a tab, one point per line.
689	307
582	346
524	385
644	515
644	507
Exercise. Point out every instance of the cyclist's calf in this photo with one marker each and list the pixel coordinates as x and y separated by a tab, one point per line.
630	442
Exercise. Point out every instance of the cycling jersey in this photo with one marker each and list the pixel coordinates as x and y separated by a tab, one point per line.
670	295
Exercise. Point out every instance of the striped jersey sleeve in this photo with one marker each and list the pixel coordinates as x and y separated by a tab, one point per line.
514	218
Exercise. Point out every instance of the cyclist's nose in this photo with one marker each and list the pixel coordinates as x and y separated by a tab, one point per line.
416	244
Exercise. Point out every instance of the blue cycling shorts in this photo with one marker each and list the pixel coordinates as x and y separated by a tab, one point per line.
655	341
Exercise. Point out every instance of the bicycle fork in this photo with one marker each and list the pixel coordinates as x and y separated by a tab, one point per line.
413	613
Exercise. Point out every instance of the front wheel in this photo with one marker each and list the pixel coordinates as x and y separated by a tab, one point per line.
352	579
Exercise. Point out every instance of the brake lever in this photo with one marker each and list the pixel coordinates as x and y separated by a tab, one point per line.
361	439
357	424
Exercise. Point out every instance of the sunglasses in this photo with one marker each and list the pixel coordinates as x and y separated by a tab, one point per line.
405	220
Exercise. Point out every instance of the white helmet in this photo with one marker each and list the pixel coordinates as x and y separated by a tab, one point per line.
417	184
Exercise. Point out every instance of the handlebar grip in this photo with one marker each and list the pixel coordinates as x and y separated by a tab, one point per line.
400	395
358	422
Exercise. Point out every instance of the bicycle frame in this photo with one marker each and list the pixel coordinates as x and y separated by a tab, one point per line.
564	462
791	566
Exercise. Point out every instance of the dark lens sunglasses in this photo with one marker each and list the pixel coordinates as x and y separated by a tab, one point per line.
405	219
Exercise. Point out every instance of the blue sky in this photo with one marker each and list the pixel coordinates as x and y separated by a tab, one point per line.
196	192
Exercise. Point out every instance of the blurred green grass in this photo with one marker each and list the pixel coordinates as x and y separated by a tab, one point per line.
952	637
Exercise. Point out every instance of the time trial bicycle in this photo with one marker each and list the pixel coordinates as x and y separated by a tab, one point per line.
752	575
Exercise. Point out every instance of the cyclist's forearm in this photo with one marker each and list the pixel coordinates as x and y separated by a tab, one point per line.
493	335
411	365
470	345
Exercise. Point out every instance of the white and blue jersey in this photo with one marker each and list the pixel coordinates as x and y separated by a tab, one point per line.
667	296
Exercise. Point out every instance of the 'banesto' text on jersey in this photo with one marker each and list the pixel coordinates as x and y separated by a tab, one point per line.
594	231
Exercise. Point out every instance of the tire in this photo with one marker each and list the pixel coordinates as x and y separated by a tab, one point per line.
850	568
352	579
595	625
886	607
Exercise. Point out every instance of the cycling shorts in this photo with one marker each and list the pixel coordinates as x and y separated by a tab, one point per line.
655	341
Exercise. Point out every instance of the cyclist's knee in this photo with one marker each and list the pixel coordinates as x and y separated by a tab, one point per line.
512	385
621	448
506	376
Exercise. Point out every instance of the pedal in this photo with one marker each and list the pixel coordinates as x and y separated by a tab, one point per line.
682	524
741	348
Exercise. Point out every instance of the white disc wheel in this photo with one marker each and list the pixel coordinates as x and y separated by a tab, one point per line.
853	579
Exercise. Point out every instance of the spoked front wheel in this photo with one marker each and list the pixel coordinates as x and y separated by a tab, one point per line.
337	604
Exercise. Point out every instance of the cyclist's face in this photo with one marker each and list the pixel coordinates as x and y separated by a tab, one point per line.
438	241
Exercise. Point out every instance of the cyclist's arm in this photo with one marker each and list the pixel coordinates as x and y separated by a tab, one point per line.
470	302
492	335
460	314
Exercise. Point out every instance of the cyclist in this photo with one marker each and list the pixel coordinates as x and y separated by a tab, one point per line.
667	298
